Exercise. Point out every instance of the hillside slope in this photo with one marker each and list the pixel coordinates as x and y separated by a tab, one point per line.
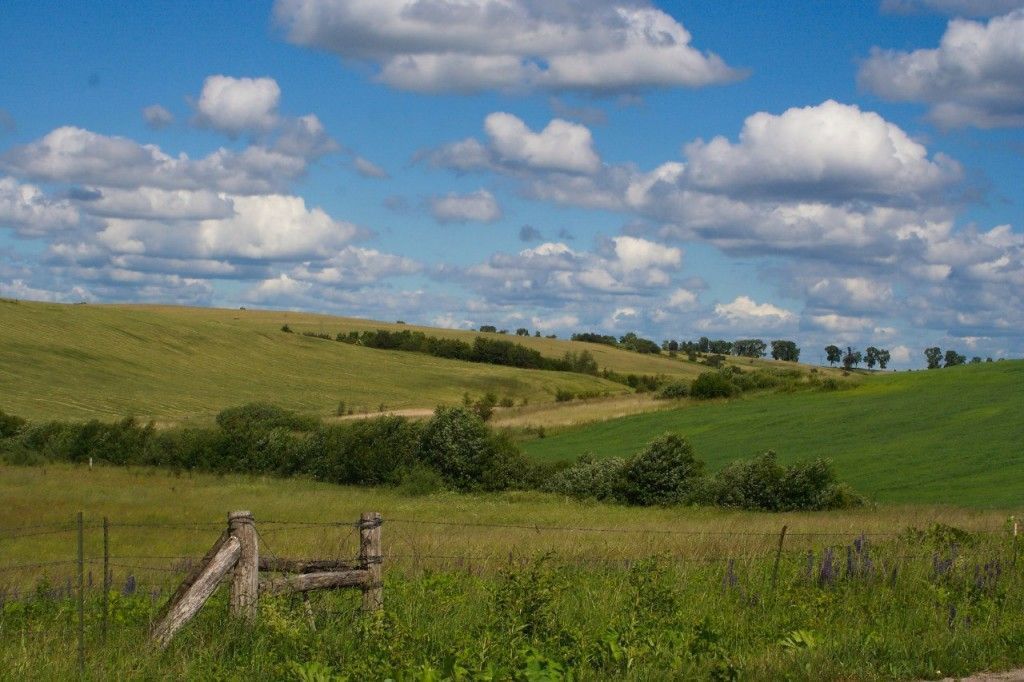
85	361
947	436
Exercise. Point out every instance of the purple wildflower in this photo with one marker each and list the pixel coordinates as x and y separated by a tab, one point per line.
827	575
129	586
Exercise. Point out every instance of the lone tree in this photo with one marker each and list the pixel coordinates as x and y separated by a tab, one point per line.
749	348
785	350
852	358
953	358
934	357
871	357
883	358
833	355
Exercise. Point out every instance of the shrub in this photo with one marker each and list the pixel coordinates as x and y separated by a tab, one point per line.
588	478
507	401
286	329
763	484
674	391
363	452
712	385
458	445
484	407
664	473
420	480
263	416
564	395
10	425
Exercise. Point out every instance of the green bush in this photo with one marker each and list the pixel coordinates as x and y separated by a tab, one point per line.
458	445
713	385
263	416
674	391
10	425
362	452
420	480
663	473
588	478
764	484
563	395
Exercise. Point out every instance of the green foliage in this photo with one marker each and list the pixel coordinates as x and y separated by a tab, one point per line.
785	350
458	445
631	341
10	425
589	478
262	417
713	385
934	357
563	395
749	348
663	473
674	391
764	484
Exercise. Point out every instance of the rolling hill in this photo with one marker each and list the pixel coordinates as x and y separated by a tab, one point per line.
951	436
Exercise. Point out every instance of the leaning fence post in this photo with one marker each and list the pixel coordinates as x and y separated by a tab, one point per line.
778	557
245	584
370	558
81	595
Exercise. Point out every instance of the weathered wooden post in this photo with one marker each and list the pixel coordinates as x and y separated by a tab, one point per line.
370	558
245	583
191	597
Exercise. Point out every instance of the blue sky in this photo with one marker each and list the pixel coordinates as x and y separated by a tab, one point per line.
829	172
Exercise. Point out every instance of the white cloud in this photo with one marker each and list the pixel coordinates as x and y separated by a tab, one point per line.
831	150
479	207
74	155
305	137
745	315
355	266
368	169
156	204
238	105
841	324
975	77
473	45
546	324
157	117
561	146
30	212
271	227
634	254
682	299
900	354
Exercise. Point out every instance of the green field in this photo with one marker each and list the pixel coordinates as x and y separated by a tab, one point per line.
947	436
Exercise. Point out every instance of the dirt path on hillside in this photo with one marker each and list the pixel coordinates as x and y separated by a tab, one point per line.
416	412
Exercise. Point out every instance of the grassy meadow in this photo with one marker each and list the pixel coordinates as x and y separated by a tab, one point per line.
519	586
942	436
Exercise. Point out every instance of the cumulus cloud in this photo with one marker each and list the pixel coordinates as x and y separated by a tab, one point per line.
355	266
474	45
828	151
238	105
154	204
31	213
305	137
270	227
478	207
74	155
746	315
561	146
975	77
157	117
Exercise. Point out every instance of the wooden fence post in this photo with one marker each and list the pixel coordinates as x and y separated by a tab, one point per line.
189	601
106	577
370	557
778	557
245	584
81	595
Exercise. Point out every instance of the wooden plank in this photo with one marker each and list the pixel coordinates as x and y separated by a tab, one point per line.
314	581
181	611
306	565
